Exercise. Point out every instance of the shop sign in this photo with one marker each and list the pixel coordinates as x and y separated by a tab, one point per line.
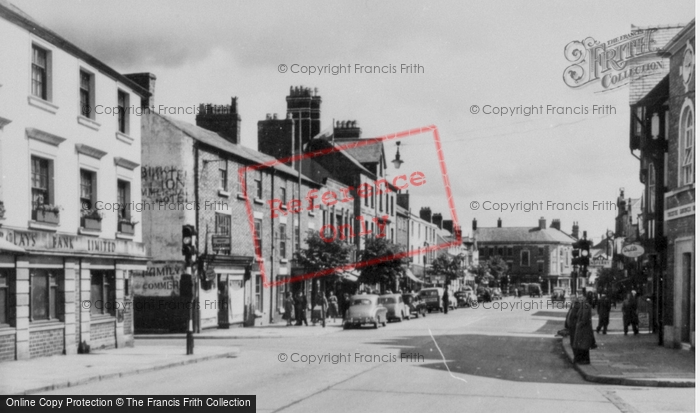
633	250
159	280
50	242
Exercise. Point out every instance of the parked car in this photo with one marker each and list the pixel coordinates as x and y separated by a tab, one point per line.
472	299
462	298
496	294
483	294
415	304
365	309
558	294
432	297
396	309
535	290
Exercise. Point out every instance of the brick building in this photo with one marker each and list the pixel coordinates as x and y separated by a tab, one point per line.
197	170
533	254
663	131
67	255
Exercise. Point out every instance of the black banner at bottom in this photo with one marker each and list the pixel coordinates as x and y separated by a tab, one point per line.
242	404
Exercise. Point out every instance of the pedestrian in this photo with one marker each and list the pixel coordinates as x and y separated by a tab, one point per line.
629	313
332	306
571	318
288	308
446	300
298	309
304	307
604	307
584	340
345	305
320	301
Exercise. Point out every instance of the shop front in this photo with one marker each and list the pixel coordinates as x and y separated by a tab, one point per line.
61	293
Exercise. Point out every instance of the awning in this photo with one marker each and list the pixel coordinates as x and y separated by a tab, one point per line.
410	275
7	246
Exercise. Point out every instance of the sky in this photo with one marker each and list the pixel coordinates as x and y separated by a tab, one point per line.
498	53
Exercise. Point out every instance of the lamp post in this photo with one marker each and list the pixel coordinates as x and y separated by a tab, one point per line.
425	260
397	160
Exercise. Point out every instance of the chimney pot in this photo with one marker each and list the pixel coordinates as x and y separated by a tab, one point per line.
543	223
474	224
500	223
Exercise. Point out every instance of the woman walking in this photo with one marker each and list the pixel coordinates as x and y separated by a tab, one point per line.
332	306
288	308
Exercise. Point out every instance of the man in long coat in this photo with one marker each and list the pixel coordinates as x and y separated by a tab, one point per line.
629	313
288	308
571	318
604	306
584	340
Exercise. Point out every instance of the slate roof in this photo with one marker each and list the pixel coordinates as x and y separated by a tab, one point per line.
213	139
520	235
371	153
327	137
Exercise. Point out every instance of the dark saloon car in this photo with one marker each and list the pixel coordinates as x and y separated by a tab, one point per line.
415	304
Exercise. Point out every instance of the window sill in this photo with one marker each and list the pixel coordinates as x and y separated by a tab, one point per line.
124	235
89	123
312	214
225	194
241	196
45	226
102	318
284	261
46	325
89	232
124	138
6	330
42	104
258	201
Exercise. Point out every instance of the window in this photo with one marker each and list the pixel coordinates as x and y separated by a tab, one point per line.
482	252
687	146
283	195
40	72
223	174
40	182
491	252
122	113
392	205
652	188
86	94
509	251
258	185
540	251
258	293
283	241
524	258
540	266
102	292
87	189
258	235
7	296
222	225
123	198
43	285
297	235
500	251
381	203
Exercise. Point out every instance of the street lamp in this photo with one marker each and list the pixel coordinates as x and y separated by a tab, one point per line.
397	160
425	259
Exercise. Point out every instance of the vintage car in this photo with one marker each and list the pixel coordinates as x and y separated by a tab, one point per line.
534	289
466	298
496	294
483	294
365	309
415	304
395	308
558	294
433	298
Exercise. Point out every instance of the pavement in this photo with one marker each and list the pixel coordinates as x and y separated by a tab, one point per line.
279	330
33	376
634	360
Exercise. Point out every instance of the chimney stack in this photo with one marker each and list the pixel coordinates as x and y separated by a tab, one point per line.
437	220
556	224
425	214
222	119
499	223
448	224
474	224
543	223
574	230
147	81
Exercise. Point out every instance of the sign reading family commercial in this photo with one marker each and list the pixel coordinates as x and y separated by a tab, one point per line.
46	241
159	280
611	63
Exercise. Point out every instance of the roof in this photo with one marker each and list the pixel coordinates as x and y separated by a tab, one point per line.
214	140
522	235
679	39
15	15
369	153
326	137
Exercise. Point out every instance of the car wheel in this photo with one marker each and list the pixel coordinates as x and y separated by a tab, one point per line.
384	323
400	319
346	326
376	323
423	313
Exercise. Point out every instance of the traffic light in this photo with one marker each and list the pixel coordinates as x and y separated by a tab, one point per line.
581	253
189	244
575	256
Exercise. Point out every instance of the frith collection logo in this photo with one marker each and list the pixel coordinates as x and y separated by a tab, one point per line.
611	63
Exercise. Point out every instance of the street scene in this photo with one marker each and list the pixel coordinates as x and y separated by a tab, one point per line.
396	206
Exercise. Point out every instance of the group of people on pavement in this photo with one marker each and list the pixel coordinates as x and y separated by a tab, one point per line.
580	326
295	307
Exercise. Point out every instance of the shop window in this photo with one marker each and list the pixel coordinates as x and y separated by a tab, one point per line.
45	302
258	293
102	292
7	296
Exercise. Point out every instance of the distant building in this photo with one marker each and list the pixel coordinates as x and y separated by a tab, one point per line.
533	254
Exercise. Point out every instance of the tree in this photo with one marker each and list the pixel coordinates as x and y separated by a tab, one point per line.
497	267
482	274
449	266
383	270
321	255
